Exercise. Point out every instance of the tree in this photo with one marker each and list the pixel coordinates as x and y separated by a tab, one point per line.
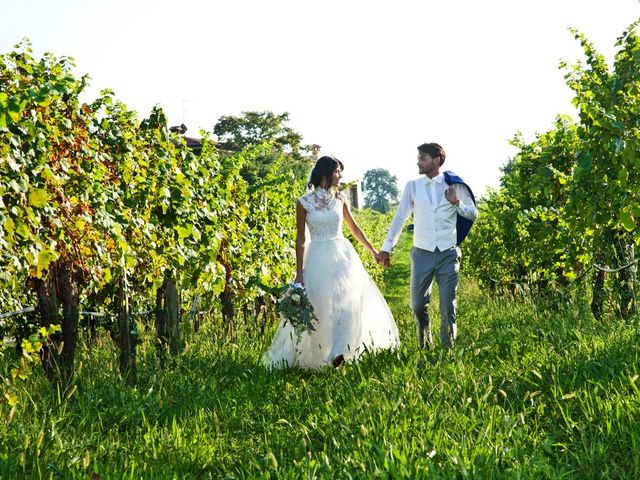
380	188
516	237
568	203
607	173
101	211
259	128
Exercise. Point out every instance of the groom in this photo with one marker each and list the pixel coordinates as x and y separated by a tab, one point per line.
443	210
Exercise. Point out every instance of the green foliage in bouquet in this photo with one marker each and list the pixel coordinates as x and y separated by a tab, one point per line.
294	306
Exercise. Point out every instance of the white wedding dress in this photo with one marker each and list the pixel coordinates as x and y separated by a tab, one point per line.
353	317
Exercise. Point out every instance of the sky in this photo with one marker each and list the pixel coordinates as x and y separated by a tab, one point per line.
368	81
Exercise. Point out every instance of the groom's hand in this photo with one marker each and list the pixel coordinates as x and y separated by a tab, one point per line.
450	194
383	259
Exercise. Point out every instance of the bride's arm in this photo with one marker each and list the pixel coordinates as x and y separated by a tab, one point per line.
301	215
357	231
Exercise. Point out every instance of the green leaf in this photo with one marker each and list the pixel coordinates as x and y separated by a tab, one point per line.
80	223
107	275
44	259
14	111
22	230
183	232
584	161
623	176
38	197
129	260
9	226
47	174
124	246
627	220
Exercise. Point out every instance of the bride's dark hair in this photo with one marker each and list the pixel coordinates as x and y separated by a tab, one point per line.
323	171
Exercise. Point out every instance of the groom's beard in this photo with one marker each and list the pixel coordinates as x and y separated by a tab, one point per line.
430	172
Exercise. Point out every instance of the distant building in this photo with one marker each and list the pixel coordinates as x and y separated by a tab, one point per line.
315	150
195	144
354	194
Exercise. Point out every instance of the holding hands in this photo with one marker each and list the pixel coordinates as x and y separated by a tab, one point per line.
382	258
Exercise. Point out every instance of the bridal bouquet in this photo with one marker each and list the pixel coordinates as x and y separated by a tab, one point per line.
294	306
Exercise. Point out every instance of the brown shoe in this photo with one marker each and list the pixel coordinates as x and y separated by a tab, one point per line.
338	361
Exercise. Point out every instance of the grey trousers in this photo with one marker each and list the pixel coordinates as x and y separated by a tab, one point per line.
444	266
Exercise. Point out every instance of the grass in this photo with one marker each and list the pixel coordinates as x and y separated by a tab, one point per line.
526	393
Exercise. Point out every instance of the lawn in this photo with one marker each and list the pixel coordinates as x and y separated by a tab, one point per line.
527	392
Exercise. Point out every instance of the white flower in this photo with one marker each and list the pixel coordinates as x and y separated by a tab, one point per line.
295	297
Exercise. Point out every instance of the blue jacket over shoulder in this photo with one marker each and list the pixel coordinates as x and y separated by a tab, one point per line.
463	225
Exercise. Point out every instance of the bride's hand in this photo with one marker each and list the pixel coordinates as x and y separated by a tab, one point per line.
299	279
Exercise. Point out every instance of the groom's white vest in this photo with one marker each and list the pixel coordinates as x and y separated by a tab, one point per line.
434	225
437	224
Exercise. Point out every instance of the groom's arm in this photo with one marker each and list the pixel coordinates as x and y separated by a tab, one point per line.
403	212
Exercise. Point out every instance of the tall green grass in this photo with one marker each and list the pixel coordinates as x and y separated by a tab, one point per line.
526	393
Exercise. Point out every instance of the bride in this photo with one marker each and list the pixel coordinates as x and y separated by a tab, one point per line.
353	317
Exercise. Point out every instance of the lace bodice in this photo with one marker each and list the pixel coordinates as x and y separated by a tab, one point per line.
324	213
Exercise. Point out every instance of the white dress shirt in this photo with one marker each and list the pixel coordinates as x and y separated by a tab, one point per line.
434	217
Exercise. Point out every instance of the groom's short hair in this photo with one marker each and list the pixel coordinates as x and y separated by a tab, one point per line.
434	150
